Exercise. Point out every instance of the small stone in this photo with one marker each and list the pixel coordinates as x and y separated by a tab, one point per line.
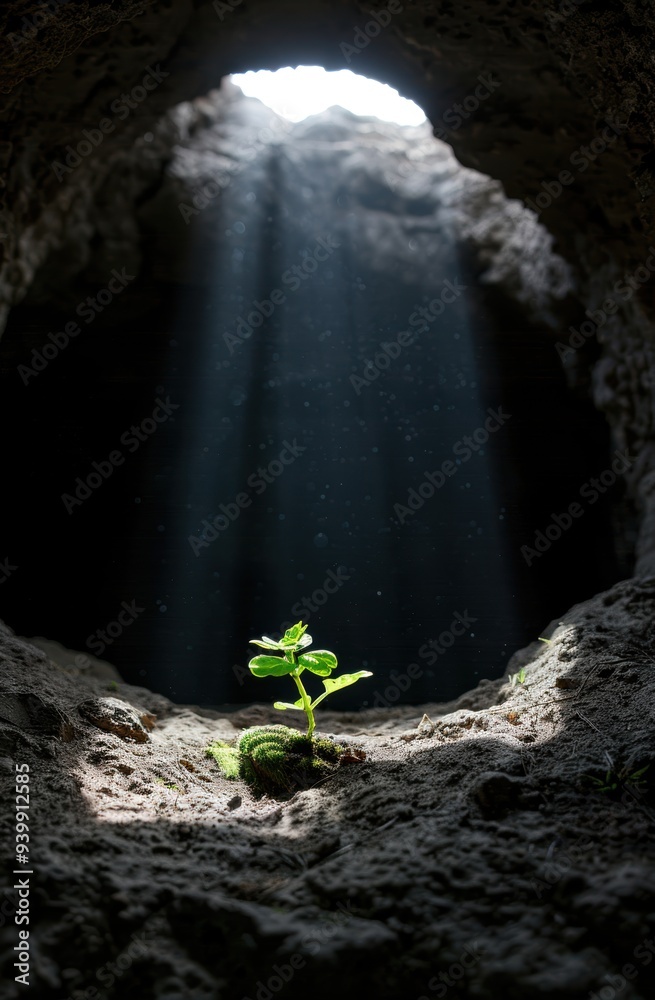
425	726
148	720
352	755
116	717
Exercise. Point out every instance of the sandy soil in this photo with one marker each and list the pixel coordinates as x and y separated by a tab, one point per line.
470	855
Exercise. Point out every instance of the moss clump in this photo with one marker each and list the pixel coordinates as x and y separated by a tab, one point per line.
226	757
276	758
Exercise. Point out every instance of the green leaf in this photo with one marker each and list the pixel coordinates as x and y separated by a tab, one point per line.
305	640
336	683
295	633
266	643
270	666
293	639
297	706
321	662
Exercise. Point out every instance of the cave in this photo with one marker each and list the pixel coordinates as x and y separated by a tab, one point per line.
385	388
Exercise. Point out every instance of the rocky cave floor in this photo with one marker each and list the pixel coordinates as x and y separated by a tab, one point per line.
469	855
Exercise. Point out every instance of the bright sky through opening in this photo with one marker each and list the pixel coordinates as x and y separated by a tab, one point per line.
307	90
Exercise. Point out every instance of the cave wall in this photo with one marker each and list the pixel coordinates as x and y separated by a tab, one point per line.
572	91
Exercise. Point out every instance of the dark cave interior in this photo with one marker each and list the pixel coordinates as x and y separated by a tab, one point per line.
237	421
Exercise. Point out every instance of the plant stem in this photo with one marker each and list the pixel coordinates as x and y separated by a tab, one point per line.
306	701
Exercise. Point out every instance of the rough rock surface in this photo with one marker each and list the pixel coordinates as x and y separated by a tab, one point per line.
473	844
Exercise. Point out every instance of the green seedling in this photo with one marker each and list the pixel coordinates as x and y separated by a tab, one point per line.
169	785
292	662
278	758
615	779
541	639
518	678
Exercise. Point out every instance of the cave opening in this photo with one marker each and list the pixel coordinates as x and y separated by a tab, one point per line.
336	419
